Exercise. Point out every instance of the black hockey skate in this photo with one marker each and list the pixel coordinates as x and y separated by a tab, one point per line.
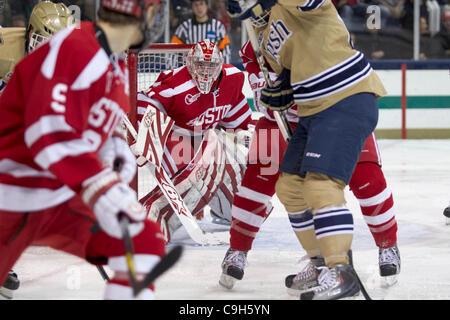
447	215
233	266
305	279
334	283
389	262
11	284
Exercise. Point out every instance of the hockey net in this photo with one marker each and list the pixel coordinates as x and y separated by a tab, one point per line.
144	69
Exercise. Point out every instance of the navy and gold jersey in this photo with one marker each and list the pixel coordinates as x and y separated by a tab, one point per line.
310	39
12	50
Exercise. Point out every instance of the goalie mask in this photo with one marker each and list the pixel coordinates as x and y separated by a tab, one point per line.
152	27
46	19
204	63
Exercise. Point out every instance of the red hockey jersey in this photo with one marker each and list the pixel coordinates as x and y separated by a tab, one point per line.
62	102
252	67
175	94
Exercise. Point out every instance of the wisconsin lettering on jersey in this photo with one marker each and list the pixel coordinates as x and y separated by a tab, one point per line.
278	35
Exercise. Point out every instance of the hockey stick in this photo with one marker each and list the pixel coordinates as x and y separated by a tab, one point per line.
103	273
166	262
361	286
280	116
175	200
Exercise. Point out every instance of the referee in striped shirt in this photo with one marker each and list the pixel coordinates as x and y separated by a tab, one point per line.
200	27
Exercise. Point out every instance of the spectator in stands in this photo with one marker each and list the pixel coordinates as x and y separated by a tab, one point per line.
356	12
20	11
180	10
219	7
4	14
444	35
395	10
203	26
407	18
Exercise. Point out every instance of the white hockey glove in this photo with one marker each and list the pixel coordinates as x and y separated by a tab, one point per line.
110	198
257	83
116	153
244	137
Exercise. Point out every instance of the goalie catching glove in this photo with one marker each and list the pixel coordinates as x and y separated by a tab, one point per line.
280	96
109	198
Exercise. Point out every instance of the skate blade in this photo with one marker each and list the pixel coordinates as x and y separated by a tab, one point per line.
389	281
6	294
357	296
295	292
447	221
227	281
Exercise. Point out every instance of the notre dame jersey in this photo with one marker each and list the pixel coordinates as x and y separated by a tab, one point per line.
310	39
12	50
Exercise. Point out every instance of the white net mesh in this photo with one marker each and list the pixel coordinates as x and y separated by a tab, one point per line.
150	64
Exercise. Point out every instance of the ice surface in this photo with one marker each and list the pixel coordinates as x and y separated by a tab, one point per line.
418	173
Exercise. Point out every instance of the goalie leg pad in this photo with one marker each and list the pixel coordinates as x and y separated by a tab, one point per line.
234	168
209	171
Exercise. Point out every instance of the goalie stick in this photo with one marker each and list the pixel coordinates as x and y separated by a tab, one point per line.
170	192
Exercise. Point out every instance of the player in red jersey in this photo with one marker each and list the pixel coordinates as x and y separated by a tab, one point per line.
368	184
59	115
204	95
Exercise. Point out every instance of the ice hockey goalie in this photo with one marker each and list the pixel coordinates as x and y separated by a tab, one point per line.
205	100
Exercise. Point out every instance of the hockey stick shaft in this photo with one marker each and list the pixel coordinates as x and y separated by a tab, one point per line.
280	116
129	253
166	262
103	273
162	266
361	286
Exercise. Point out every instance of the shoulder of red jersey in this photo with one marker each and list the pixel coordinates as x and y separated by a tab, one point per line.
172	77
247	51
231	72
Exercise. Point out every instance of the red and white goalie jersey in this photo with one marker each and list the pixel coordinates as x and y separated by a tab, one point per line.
175	93
57	115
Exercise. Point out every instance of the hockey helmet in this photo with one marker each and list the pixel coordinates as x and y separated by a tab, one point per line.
46	19
261	20
204	63
152	31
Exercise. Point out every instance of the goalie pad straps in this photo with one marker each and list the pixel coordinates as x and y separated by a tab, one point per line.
153	132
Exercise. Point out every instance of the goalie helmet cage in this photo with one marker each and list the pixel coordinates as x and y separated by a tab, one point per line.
144	69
